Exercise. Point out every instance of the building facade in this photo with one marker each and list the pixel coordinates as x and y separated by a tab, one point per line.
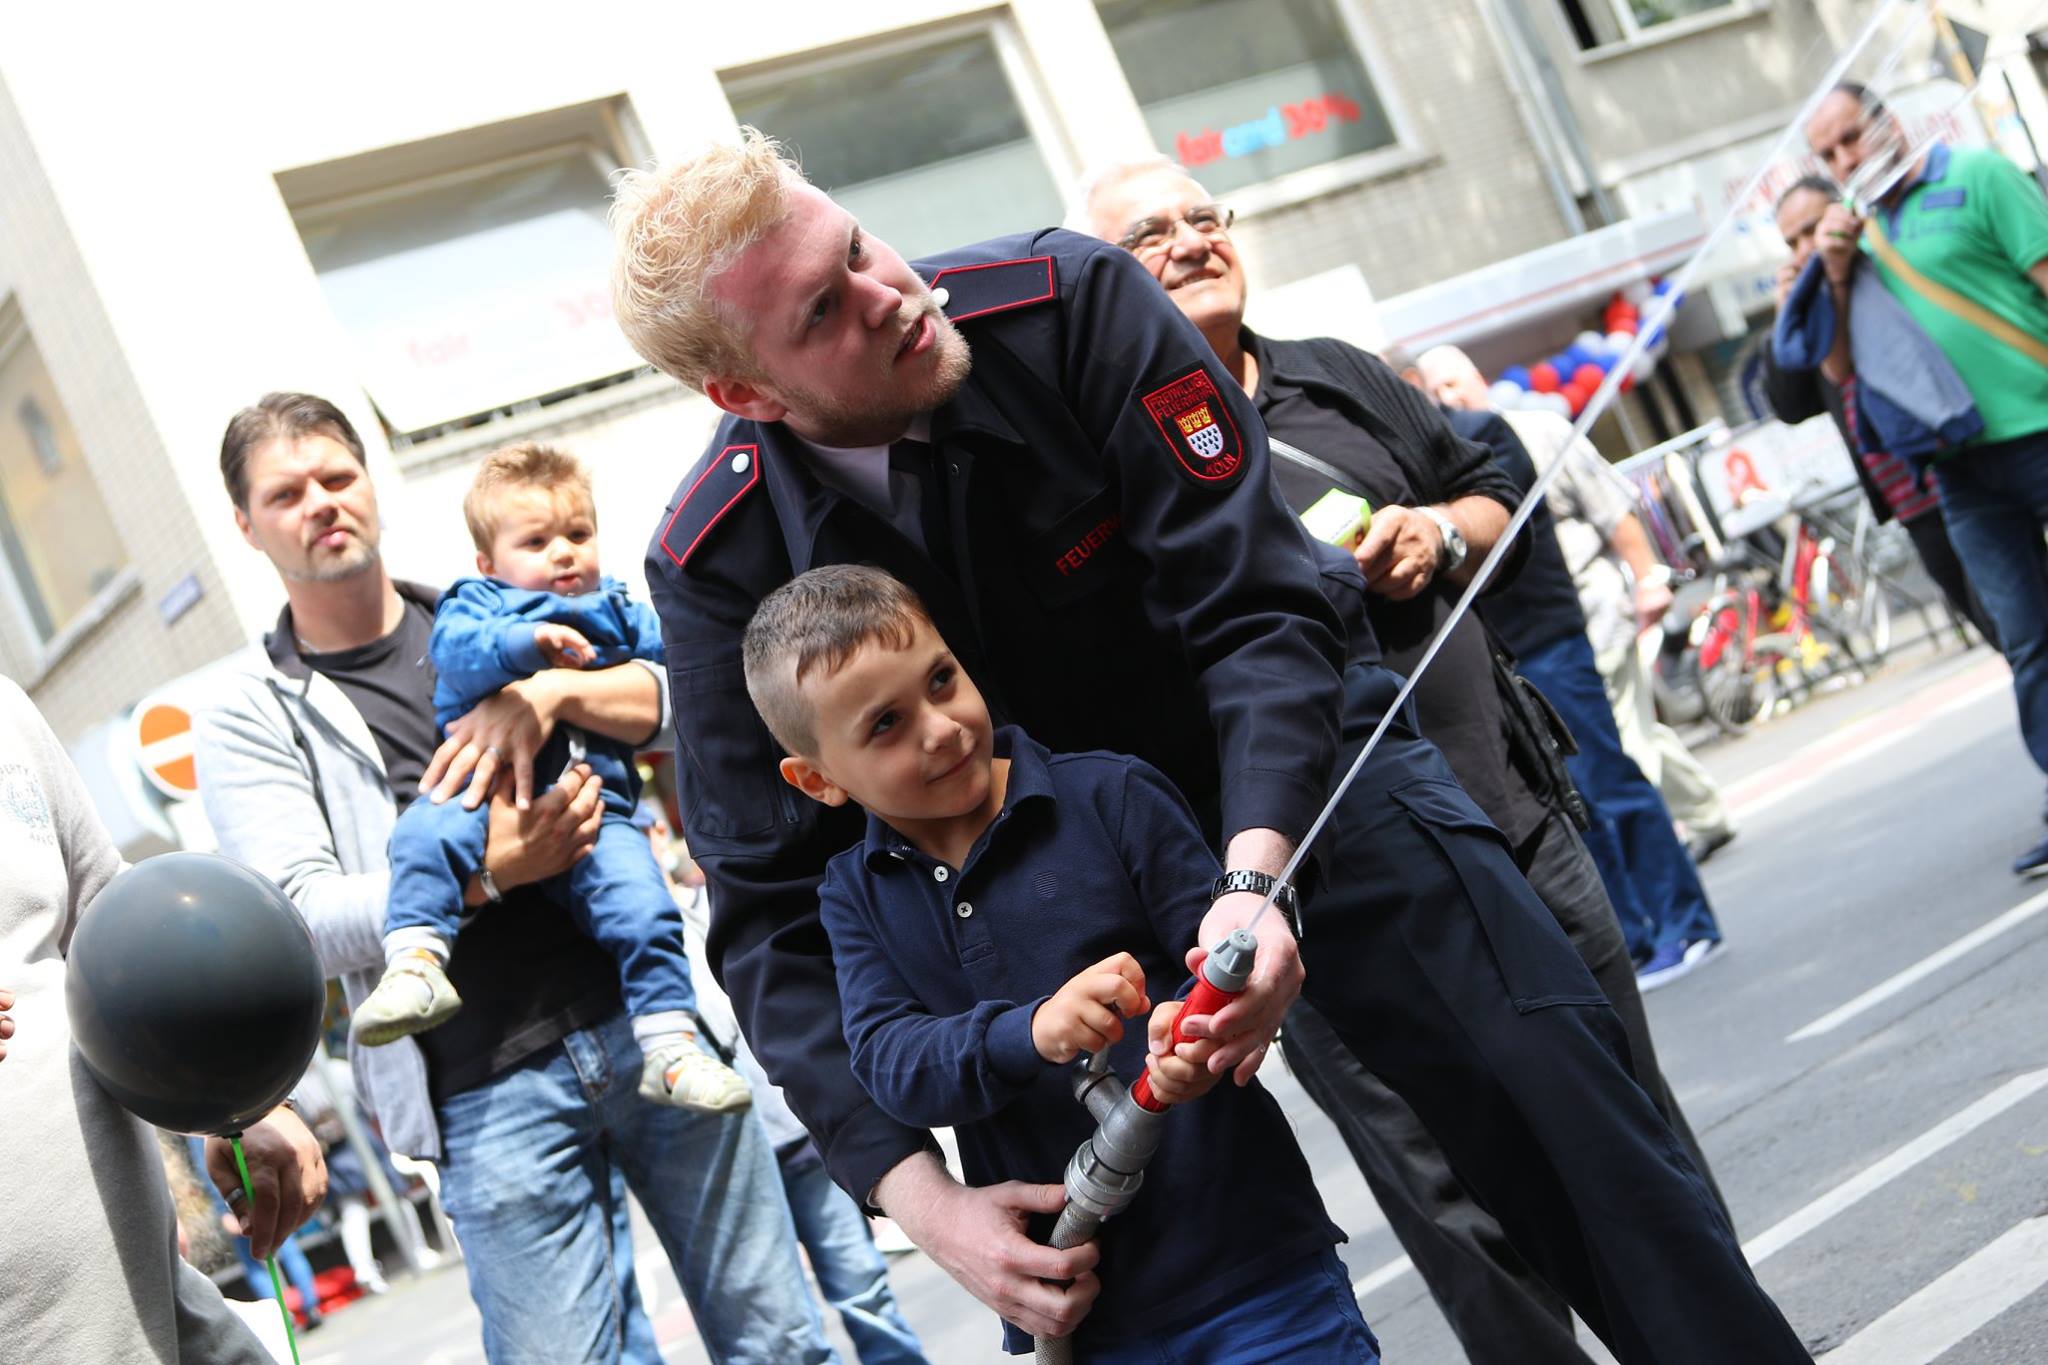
404	211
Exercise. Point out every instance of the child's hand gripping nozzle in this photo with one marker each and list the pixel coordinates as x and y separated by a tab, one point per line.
1107	1169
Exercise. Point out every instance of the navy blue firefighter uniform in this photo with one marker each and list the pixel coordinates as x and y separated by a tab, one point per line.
1104	549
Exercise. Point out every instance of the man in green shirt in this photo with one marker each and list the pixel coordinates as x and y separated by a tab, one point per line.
1962	242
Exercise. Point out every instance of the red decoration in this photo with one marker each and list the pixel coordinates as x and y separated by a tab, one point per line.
1577	395
1588	377
1543	378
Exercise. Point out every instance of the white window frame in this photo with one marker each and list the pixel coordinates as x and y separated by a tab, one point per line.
1041	124
1404	153
458	433
1634	37
43	654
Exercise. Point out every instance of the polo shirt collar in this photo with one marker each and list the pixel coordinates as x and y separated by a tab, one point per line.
1030	781
1933	170
1275	382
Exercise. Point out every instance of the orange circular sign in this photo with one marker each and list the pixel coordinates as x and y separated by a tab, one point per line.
163	746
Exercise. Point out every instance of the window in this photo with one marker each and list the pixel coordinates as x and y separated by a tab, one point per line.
1600	23
1242	91
928	146
56	540
474	290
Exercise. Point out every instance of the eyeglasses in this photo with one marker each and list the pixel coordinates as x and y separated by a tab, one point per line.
1149	236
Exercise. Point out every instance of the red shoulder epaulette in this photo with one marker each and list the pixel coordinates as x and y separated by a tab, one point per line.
995	287
726	478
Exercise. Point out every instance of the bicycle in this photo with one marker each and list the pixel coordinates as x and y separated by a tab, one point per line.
1758	646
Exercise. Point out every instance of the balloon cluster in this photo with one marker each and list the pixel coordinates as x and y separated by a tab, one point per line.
1565	383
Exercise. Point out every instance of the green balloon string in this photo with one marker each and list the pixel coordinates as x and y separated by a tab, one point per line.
276	1282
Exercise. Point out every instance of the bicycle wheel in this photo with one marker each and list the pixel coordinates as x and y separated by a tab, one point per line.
1853	607
1728	676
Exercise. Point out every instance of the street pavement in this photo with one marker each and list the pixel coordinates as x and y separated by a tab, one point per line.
1864	1064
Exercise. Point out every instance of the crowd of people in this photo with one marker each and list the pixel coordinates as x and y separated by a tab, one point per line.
1004	681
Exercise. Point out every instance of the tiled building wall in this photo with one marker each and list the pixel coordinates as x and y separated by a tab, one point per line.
132	650
1479	196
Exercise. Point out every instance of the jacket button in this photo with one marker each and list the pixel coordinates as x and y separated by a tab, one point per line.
739	464
940	874
963	910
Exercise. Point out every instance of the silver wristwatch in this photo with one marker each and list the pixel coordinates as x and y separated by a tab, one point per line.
1455	547
1261	884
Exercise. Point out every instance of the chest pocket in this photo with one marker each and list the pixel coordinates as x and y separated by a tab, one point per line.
1083	551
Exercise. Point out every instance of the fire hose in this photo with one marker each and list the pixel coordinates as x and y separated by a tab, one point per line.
1107	1169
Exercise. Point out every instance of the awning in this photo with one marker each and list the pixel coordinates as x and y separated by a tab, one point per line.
1564	277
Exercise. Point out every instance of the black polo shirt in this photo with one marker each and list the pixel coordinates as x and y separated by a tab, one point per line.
1457	700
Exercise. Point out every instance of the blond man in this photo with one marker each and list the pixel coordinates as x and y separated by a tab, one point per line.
1085	506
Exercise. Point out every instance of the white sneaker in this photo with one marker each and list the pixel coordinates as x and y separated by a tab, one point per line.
685	1075
414	996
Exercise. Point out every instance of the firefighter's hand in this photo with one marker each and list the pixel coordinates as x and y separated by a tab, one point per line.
1246	1025
1087	1014
1178	1074
977	1236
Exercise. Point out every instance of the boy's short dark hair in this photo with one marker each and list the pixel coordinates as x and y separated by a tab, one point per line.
819	619
275	416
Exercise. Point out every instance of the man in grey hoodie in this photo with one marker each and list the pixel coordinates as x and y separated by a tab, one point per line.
527	1099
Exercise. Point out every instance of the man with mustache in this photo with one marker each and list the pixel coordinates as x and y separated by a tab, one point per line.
1340	418
1085	507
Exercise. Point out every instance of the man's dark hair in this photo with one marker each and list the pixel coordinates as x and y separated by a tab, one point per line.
1873	104
1817	184
279	416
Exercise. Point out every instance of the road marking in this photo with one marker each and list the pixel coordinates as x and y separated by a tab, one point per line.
1925	967
1955	1305
1873	1177
1385	1275
1860	740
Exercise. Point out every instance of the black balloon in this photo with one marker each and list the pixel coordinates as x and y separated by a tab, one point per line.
195	994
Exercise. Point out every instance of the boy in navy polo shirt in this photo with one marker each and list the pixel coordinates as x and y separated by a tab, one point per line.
963	929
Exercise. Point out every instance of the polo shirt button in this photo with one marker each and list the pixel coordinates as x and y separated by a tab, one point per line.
940	874
963	909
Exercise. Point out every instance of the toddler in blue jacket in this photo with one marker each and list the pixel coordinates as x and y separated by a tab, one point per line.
542	604
1009	909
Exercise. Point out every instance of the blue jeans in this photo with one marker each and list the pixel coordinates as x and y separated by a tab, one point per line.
1306	1314
531	1175
851	1272
616	896
1995	498
1649	876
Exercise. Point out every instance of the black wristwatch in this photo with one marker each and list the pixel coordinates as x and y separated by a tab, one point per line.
1261	884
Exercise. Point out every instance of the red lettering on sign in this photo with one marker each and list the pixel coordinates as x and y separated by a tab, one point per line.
1313	115
1198	149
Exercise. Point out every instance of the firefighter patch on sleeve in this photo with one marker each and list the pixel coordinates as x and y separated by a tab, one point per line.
1197	428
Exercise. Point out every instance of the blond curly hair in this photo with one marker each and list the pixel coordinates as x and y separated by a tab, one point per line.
675	229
